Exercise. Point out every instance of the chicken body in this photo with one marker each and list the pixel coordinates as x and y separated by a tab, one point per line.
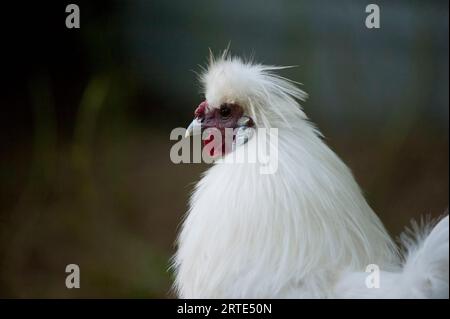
302	231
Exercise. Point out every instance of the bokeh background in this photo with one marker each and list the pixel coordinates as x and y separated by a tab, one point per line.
86	114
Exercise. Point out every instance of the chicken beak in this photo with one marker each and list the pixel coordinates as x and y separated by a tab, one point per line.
195	128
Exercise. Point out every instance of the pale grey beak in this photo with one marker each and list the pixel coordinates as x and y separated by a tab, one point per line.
194	128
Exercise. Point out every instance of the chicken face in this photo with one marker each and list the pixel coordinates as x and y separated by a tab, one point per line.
214	121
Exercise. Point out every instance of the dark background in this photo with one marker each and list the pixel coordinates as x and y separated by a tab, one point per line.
86	114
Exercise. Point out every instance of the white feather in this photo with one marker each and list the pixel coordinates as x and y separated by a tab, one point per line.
424	273
297	233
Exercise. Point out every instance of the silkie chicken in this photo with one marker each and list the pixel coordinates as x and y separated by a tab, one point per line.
303	231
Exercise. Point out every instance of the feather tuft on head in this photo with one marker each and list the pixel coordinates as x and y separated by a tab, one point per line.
270	99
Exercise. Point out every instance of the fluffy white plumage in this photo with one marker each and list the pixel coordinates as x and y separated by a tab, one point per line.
305	231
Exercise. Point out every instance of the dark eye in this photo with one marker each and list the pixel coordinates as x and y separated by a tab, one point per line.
225	110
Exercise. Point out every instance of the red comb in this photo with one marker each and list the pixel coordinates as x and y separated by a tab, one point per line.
200	110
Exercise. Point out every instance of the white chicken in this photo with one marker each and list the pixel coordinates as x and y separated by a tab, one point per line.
303	231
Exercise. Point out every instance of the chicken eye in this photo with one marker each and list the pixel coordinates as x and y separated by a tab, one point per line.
224	111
